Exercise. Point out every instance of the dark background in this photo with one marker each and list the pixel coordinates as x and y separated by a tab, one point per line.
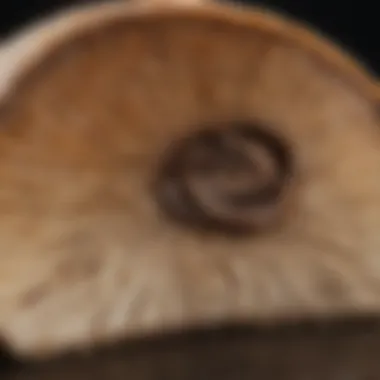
351	23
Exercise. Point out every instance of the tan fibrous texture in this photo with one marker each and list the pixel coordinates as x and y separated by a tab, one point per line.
87	256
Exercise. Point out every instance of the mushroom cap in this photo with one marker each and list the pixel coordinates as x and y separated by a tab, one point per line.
106	208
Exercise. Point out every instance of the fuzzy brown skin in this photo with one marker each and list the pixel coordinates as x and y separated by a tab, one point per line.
86	254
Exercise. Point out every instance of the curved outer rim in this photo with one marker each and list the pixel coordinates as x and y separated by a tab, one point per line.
26	49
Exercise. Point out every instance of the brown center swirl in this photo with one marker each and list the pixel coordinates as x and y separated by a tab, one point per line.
230	178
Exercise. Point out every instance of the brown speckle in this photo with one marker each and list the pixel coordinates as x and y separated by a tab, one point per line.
34	296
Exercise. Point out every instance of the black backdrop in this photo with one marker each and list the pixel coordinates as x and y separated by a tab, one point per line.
352	23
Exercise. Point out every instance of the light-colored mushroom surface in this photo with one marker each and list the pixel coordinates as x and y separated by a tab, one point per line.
166	166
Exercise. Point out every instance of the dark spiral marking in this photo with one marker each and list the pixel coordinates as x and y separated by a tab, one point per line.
220	154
